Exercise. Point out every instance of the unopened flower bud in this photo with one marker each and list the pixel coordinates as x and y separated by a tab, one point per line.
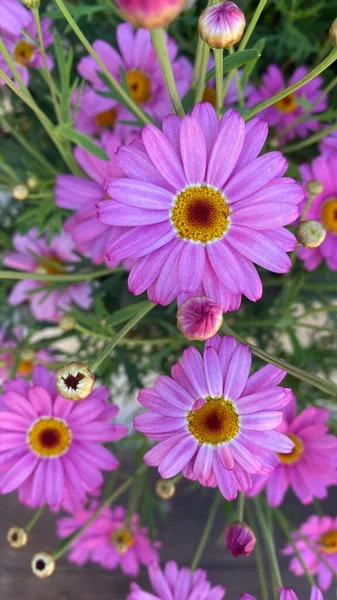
17	537
310	234
20	192
67	322
333	32
32	182
314	187
239	539
222	25
74	381
152	13
199	318
43	564
31	3
165	489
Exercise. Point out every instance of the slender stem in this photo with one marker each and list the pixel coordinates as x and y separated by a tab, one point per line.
258	556
238	85
50	81
158	37
269	542
134	497
317	137
64	545
111	345
252	24
207	531
326	386
218	57
58	278
296	86
197	62
202	78
240	507
34	519
121	91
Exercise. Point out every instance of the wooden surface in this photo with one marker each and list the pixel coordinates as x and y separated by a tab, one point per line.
179	532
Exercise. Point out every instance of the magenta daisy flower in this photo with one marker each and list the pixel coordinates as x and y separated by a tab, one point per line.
51	448
320	540
212	421
172	582
109	541
77	193
25	51
13	18
138	59
283	113
328	145
34	254
28	357
288	594
197	197
312	464
323	209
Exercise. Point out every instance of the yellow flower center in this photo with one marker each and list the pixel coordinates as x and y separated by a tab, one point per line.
50	265
200	214
209	96
106	118
295	454
329	215
328	542
215	422
25	368
287	104
122	540
139	86
49	437
23	53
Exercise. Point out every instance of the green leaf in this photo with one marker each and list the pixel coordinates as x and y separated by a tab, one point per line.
64	66
250	66
125	314
67	131
234	61
188	99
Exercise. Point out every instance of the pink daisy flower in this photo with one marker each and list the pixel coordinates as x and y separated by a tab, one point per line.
174	584
32	254
212	421
195	198
323	209
321	541
288	594
77	193
109	541
13	18
25	51
51	448
28	357
312	464
328	145
284	112
146	85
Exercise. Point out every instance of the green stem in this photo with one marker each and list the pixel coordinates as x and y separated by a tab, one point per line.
240	507
64	545
252	24
197	62
207	531
296	86
202	78
50	81
58	278
326	386
317	137
134	497
218	57
269	542
111	345
34	519
158	37
121	91
238	85
258	556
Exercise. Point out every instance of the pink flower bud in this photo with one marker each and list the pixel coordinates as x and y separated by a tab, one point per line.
151	13
199	318
222	25
239	539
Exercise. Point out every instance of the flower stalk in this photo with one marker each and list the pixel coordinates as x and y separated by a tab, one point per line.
269	542
207	531
218	57
160	45
34	519
58	278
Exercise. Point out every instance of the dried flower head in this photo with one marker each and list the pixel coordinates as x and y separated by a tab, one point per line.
239	539
32	182
310	234
199	318
152	13
67	322
165	489
17	537
43	564
222	25
75	381
20	192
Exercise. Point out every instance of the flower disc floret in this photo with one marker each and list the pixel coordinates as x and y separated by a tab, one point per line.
329	214
215	422
49	437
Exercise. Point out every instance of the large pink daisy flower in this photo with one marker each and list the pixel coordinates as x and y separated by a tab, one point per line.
13	18
174	584
320	535
212	421
288	594
324	209
34	254
109	541
284	112
51	448
145	81
201	208
312	464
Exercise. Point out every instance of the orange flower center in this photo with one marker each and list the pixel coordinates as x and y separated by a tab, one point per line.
287	104
25	368
329	215
49	437
106	118
209	96
328	542
215	422
295	454
23	53
122	539
50	265
139	86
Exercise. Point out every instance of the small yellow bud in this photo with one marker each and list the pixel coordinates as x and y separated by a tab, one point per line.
333	32
31	3
67	322
314	187
17	537
310	234
165	489
32	182
75	381
43	564
20	192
